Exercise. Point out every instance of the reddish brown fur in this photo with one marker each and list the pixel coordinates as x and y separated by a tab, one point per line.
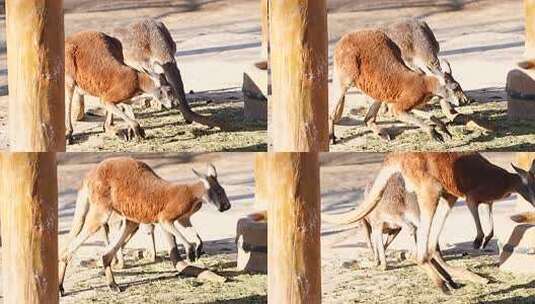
363	57
144	199
94	62
461	174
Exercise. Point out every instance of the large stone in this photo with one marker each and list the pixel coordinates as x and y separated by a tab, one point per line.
251	240
521	90
255	92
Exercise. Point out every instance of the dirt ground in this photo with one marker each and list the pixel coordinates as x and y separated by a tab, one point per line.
482	40
216	42
348	273
148	282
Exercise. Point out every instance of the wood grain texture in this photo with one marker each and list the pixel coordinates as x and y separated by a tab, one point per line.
529	11
35	53
261	181
294	261
299	69
29	212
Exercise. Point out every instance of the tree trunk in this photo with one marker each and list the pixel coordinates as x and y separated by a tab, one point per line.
294	266
35	56
29	212
299	68
529	11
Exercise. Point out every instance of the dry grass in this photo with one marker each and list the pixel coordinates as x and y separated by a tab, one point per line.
360	282
509	135
148	282
167	131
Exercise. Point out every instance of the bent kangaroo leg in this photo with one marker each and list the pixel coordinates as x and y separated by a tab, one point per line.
391	237
371	118
473	207
378	239
413	120
489	236
458	272
191	234
190	248
149	229
135	130
93	221
127	230
69	88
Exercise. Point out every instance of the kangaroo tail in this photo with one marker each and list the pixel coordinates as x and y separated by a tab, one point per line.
371	200
80	211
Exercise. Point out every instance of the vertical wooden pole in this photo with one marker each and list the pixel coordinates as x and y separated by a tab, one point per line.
29	212
299	68
294	266
261	181
529	14
35	55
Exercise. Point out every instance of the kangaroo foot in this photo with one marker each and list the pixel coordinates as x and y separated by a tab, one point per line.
436	136
441	126
477	242
114	287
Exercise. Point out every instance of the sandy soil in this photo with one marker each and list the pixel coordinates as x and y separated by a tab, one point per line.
481	39
348	273
215	43
148	282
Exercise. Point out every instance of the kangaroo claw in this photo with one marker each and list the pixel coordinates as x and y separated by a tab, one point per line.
191	253
436	136
115	287
69	139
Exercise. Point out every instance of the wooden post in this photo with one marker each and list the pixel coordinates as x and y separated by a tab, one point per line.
529	13
294	266
29	211
299	68
35	56
261	184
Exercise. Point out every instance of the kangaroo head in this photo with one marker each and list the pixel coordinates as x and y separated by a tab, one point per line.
214	193
455	93
165	96
526	188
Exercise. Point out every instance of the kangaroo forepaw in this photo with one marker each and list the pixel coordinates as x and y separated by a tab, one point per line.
486	242
384	134
114	287
69	139
477	242
191	253
199	251
436	136
61	291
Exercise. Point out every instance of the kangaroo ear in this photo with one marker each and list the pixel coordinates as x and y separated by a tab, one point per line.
445	65
521	172
532	169
199	175
211	171
202	177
